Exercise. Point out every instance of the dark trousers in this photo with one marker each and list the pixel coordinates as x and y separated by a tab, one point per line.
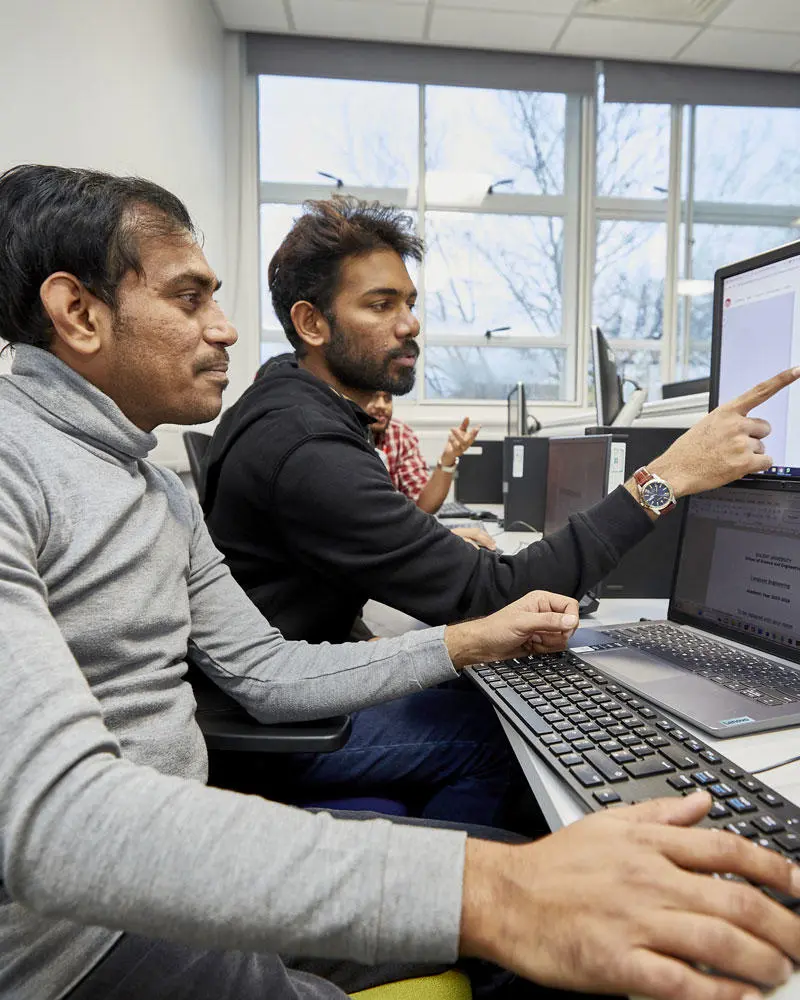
440	752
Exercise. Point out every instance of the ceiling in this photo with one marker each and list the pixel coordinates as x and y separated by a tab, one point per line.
756	34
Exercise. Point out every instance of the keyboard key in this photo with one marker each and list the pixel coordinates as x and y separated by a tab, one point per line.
623	756
572	735
732	772
771	799
550	738
710	756
552	717
745	829
679	734
648	767
741	804
658	741
559	749
617	731
645	733
587	776
767	824
664	724
533	699
588	727
610	771
647	713
583	745
695	746
721	791
629	740
788	841
561	727
751	785
718	811
680	782
606	797
641	749
610	746
704	778
679	759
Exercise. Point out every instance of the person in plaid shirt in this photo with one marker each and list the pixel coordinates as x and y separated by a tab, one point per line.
399	447
407	468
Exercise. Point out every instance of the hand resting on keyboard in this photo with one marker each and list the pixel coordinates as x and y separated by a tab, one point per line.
621	903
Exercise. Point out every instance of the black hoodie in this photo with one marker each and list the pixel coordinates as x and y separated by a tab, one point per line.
303	509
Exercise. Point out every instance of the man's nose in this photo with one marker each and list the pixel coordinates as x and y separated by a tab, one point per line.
408	325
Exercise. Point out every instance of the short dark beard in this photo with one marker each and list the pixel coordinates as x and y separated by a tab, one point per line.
363	373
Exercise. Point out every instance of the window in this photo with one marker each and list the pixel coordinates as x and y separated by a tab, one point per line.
494	180
499	253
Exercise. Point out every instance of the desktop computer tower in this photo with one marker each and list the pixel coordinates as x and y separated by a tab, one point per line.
646	571
524	482
480	474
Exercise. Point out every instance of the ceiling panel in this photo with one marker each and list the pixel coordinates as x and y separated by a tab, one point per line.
252	15
770	15
752	49
528	32
514	6
692	11
371	19
603	37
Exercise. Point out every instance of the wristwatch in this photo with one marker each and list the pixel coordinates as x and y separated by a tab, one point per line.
449	469
654	493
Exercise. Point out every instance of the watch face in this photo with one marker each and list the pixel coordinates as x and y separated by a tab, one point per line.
656	494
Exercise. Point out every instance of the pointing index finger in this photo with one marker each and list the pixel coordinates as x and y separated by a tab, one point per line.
763	391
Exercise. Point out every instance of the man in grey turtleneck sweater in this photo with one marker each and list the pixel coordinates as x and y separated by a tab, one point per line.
122	875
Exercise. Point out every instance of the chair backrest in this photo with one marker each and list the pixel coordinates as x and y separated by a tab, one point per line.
196	444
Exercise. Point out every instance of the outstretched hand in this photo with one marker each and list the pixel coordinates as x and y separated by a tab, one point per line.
725	445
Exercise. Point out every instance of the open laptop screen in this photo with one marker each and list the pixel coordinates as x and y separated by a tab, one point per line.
738	571
756	334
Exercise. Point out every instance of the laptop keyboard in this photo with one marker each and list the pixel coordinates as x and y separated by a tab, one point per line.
613	748
754	677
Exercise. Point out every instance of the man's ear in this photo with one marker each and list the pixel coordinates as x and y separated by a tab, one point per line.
78	317
311	326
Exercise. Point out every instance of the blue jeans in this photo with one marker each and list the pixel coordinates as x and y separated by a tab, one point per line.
440	752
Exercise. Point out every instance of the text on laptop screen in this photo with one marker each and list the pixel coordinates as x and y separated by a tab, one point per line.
739	564
761	336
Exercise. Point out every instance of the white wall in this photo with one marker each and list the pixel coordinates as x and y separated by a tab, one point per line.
128	86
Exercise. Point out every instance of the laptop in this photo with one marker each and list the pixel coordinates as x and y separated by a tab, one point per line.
728	657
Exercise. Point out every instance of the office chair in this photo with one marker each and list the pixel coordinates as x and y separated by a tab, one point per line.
196	444
227	727
450	985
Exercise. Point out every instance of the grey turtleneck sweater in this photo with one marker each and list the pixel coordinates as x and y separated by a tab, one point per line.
107	580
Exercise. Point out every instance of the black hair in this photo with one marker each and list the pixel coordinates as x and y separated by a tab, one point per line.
306	265
84	222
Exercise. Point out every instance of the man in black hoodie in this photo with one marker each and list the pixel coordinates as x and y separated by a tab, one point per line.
302	506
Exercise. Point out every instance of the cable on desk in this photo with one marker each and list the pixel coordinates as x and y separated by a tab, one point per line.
783	763
528	527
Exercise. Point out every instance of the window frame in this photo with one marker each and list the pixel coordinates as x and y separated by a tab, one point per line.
581	210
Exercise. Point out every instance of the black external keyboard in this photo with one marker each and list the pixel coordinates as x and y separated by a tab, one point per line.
754	677
611	748
453	509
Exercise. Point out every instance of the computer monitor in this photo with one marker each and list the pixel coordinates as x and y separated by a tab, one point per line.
608	399
756	333
577	477
612	410
517	411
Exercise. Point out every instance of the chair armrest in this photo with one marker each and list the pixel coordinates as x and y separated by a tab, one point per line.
227	726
